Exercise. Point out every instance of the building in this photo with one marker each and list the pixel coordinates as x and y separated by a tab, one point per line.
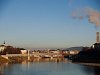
2	47
23	51
96	46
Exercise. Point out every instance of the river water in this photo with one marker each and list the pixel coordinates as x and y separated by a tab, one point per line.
48	68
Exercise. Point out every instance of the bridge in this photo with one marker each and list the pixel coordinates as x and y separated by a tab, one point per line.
49	55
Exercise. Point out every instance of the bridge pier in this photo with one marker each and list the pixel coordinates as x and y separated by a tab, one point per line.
28	55
51	57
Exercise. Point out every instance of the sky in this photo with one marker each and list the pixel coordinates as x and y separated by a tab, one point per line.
37	24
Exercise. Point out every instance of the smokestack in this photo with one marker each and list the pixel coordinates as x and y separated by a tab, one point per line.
97	37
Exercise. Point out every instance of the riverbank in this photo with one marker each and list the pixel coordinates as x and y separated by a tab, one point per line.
88	64
3	60
20	59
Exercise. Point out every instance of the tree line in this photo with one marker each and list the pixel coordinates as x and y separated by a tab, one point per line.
11	50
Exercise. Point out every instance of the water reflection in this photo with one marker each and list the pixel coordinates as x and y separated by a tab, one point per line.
96	70
48	67
2	67
1	73
49	60
92	70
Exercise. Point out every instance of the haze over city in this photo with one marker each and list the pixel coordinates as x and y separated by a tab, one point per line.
49	23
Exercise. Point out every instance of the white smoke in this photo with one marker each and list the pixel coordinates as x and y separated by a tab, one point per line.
78	14
90	13
93	16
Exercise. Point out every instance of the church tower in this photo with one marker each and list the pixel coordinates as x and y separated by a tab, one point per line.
4	42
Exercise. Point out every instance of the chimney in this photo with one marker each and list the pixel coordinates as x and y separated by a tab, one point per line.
97	37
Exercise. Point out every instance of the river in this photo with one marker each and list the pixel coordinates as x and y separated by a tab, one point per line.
48	68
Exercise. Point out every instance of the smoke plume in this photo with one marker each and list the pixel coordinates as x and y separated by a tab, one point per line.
90	13
93	16
78	14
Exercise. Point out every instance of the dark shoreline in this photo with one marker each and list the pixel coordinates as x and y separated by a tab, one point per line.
88	64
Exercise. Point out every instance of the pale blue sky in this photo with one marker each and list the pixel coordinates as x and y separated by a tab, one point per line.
45	23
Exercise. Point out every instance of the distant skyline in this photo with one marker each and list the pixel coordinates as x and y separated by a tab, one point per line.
46	23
